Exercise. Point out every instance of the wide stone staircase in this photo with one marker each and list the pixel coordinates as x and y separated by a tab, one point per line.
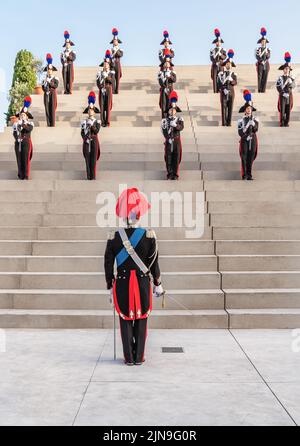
243	272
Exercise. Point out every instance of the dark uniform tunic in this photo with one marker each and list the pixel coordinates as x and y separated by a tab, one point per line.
117	54
171	128
248	128
226	83
91	147
50	99
217	57
132	288
263	67
285	85
166	79
105	81
67	59
23	147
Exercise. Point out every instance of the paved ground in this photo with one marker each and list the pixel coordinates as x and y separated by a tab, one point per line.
65	377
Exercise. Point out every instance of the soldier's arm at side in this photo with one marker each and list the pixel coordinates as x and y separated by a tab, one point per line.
109	261
154	269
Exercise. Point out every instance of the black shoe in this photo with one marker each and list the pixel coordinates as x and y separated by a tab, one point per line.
243	177
130	364
140	363
249	178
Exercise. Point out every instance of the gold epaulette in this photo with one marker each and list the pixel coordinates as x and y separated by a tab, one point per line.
111	235
151	234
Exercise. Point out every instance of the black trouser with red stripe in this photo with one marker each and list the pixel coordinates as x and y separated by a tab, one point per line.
173	154
134	335
23	155
262	74
285	106
248	152
226	108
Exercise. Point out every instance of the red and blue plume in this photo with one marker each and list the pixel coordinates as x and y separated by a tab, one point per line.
247	95
217	32
166	34
230	54
287	57
92	98
173	97
66	35
115	32
107	54
49	59
27	102
263	32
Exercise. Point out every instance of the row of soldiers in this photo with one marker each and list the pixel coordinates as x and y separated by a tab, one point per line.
225	79
171	124
108	82
108	78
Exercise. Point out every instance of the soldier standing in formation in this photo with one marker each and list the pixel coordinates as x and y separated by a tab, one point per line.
247	129
171	127
166	79
285	85
23	145
227	80
105	80
90	128
263	54
68	57
166	47
50	86
116	54
217	57
135	251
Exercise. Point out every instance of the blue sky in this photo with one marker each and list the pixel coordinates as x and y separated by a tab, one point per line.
190	23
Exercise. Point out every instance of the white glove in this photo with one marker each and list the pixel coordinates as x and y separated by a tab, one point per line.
90	122
226	91
173	123
252	123
158	291
286	95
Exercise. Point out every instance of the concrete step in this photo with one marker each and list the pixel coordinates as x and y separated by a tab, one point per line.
257	233
99	300
253	221
258	186
266	208
89	280
258	175
260	279
80	175
279	318
257	247
96	263
257	196
94	248
262	298
259	263
85	319
83	233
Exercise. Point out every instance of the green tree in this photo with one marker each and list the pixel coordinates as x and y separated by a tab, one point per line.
24	80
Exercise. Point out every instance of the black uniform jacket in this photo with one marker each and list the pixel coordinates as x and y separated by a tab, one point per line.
132	288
